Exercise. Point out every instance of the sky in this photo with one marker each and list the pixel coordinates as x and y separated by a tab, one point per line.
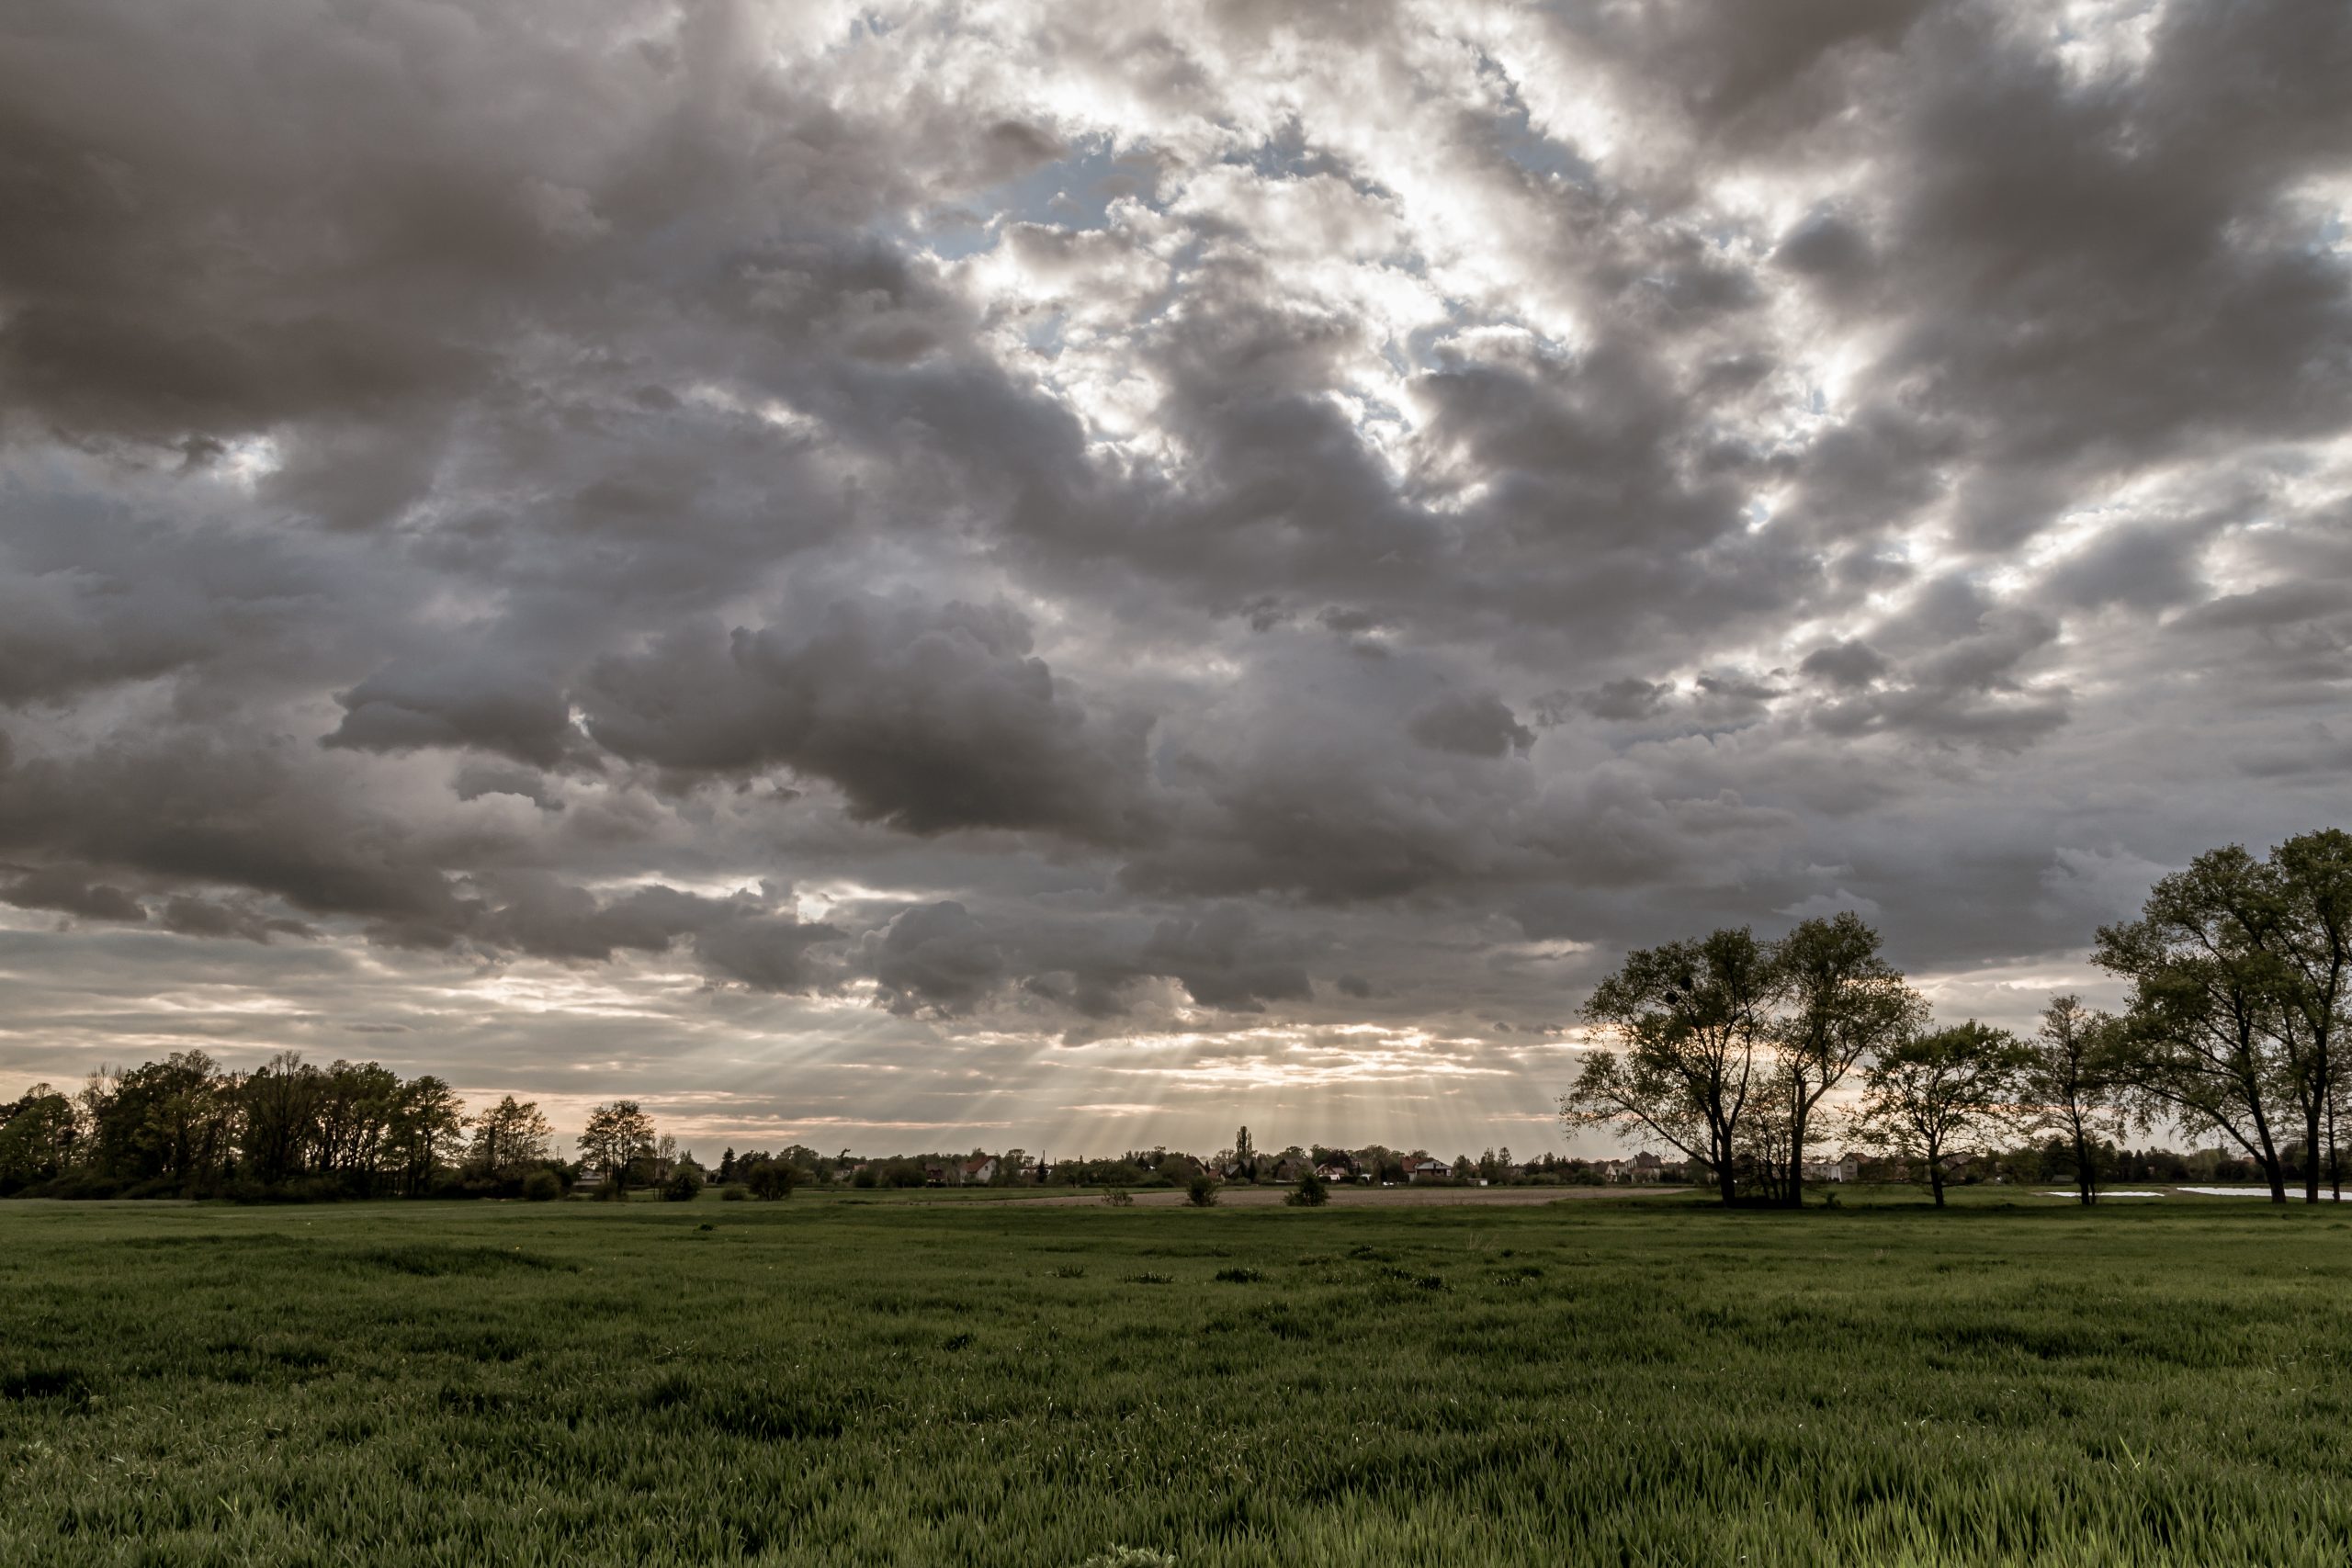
1075	574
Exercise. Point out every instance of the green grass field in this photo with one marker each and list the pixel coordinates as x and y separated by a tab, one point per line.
823	1381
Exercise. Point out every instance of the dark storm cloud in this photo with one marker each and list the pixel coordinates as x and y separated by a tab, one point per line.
468	703
1479	725
927	719
1625	699
2143	567
1046	520
193	811
938	957
65	890
244	918
1225	961
1850	663
945	960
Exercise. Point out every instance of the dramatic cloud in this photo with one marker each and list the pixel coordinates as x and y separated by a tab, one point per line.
924	572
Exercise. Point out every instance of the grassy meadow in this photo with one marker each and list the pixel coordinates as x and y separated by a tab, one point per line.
840	1383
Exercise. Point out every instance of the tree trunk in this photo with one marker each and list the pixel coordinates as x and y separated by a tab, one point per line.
1795	1198
2335	1154
1726	1171
2082	1181
2273	1169
2312	1145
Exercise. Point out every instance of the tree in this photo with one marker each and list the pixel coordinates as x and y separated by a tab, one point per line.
279	1105
427	1120
2311	884
617	1137
2208	1046
1931	1096
1844	1005
1692	1017
509	1137
39	1136
1201	1192
1311	1194
172	1121
355	1107
768	1179
2073	1069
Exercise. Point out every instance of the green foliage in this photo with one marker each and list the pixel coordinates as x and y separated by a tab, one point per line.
1312	1193
1119	1198
1201	1192
683	1187
543	1186
861	1382
617	1140
769	1179
2076	1069
733	1195
2241	973
38	1134
509	1138
1940	1094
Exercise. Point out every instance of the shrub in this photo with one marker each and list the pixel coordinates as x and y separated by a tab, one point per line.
1311	1194
772	1179
1119	1198
732	1195
1241	1275
683	1187
1202	1191
542	1186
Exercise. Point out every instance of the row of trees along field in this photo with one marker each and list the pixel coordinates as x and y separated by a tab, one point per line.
1734	1050
289	1130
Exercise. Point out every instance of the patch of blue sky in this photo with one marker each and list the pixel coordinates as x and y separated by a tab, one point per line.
1517	139
1044	334
1076	191
1072	192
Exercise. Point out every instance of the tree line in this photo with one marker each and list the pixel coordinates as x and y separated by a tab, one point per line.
184	1127
1730	1048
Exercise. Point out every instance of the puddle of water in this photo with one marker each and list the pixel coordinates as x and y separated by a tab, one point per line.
2294	1194
2105	1192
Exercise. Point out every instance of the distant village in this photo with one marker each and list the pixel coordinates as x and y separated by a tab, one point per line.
1376	1165
1373	1165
